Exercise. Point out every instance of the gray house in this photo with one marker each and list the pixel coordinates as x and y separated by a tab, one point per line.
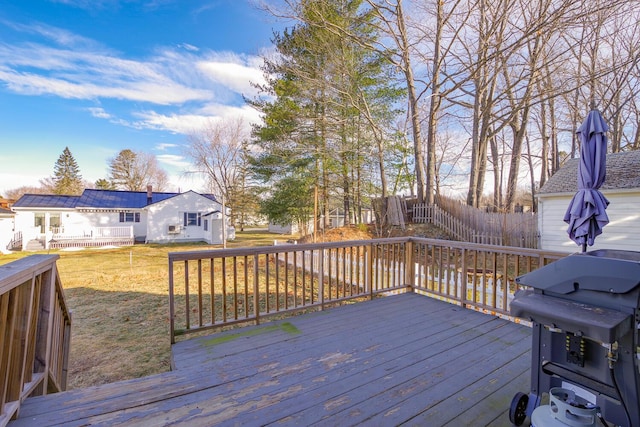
621	188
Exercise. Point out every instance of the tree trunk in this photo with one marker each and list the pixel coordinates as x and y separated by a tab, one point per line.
413	107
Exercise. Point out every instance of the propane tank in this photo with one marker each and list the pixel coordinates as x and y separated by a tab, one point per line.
565	409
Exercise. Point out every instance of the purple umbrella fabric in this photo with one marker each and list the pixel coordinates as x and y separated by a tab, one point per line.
586	213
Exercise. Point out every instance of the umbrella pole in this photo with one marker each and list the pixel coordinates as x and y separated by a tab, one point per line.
584	247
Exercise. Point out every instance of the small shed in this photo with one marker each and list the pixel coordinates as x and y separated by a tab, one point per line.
621	188
292	228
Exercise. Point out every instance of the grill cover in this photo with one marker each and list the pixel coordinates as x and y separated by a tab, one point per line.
605	271
583	310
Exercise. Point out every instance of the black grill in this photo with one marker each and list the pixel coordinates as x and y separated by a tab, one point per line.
585	314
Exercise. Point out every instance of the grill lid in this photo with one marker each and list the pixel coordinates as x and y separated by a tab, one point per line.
604	270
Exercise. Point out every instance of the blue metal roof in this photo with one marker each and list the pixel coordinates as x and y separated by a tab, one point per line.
46	201
97	199
113	199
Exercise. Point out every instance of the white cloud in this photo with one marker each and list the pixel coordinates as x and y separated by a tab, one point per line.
189	47
164	146
189	123
238	77
173	160
40	70
59	36
199	85
99	113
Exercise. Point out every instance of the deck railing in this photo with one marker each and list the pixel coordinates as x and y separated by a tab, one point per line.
62	237
91	233
16	241
217	288
35	332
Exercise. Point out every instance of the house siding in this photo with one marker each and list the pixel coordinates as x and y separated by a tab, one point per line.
111	218
170	212
151	215
282	229
6	231
624	222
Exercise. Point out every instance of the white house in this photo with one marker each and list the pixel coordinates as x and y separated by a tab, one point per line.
621	188
186	217
99	217
6	229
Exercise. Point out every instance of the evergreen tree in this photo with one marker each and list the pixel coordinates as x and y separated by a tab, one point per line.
329	99
104	184
66	175
133	171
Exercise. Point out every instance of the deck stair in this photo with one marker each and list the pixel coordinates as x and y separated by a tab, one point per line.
35	245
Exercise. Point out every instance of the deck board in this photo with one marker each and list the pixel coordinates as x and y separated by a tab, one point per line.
399	360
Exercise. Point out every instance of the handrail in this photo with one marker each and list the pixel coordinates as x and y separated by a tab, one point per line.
217	288
35	332
59	233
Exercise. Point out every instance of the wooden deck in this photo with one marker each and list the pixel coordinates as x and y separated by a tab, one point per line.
400	360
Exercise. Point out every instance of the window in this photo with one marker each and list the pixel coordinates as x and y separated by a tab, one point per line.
129	216
192	219
206	225
39	221
54	222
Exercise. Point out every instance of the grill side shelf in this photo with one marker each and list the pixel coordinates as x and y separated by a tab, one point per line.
598	323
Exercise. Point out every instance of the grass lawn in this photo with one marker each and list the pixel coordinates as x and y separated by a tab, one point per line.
119	302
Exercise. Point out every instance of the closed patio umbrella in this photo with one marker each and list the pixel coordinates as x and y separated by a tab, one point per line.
586	213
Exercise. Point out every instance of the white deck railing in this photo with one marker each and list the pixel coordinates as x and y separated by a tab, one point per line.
63	233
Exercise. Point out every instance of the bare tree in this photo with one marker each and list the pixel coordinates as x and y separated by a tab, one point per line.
218	151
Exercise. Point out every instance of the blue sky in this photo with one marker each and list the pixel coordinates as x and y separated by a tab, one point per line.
100	76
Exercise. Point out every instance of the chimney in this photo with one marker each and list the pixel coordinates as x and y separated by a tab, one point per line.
149	194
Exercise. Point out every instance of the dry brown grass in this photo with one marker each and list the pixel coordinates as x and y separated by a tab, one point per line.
119	303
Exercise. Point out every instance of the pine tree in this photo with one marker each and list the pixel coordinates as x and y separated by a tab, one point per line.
329	100
134	170
104	184
66	174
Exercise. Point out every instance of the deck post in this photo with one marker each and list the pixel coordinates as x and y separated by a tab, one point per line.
171	304
369	278
409	266
321	277
256	290
463	279
45	326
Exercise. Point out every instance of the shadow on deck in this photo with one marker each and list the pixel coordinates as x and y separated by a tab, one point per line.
399	360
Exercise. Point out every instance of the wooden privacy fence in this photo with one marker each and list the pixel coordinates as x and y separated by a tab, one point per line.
35	332
217	288
475	226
